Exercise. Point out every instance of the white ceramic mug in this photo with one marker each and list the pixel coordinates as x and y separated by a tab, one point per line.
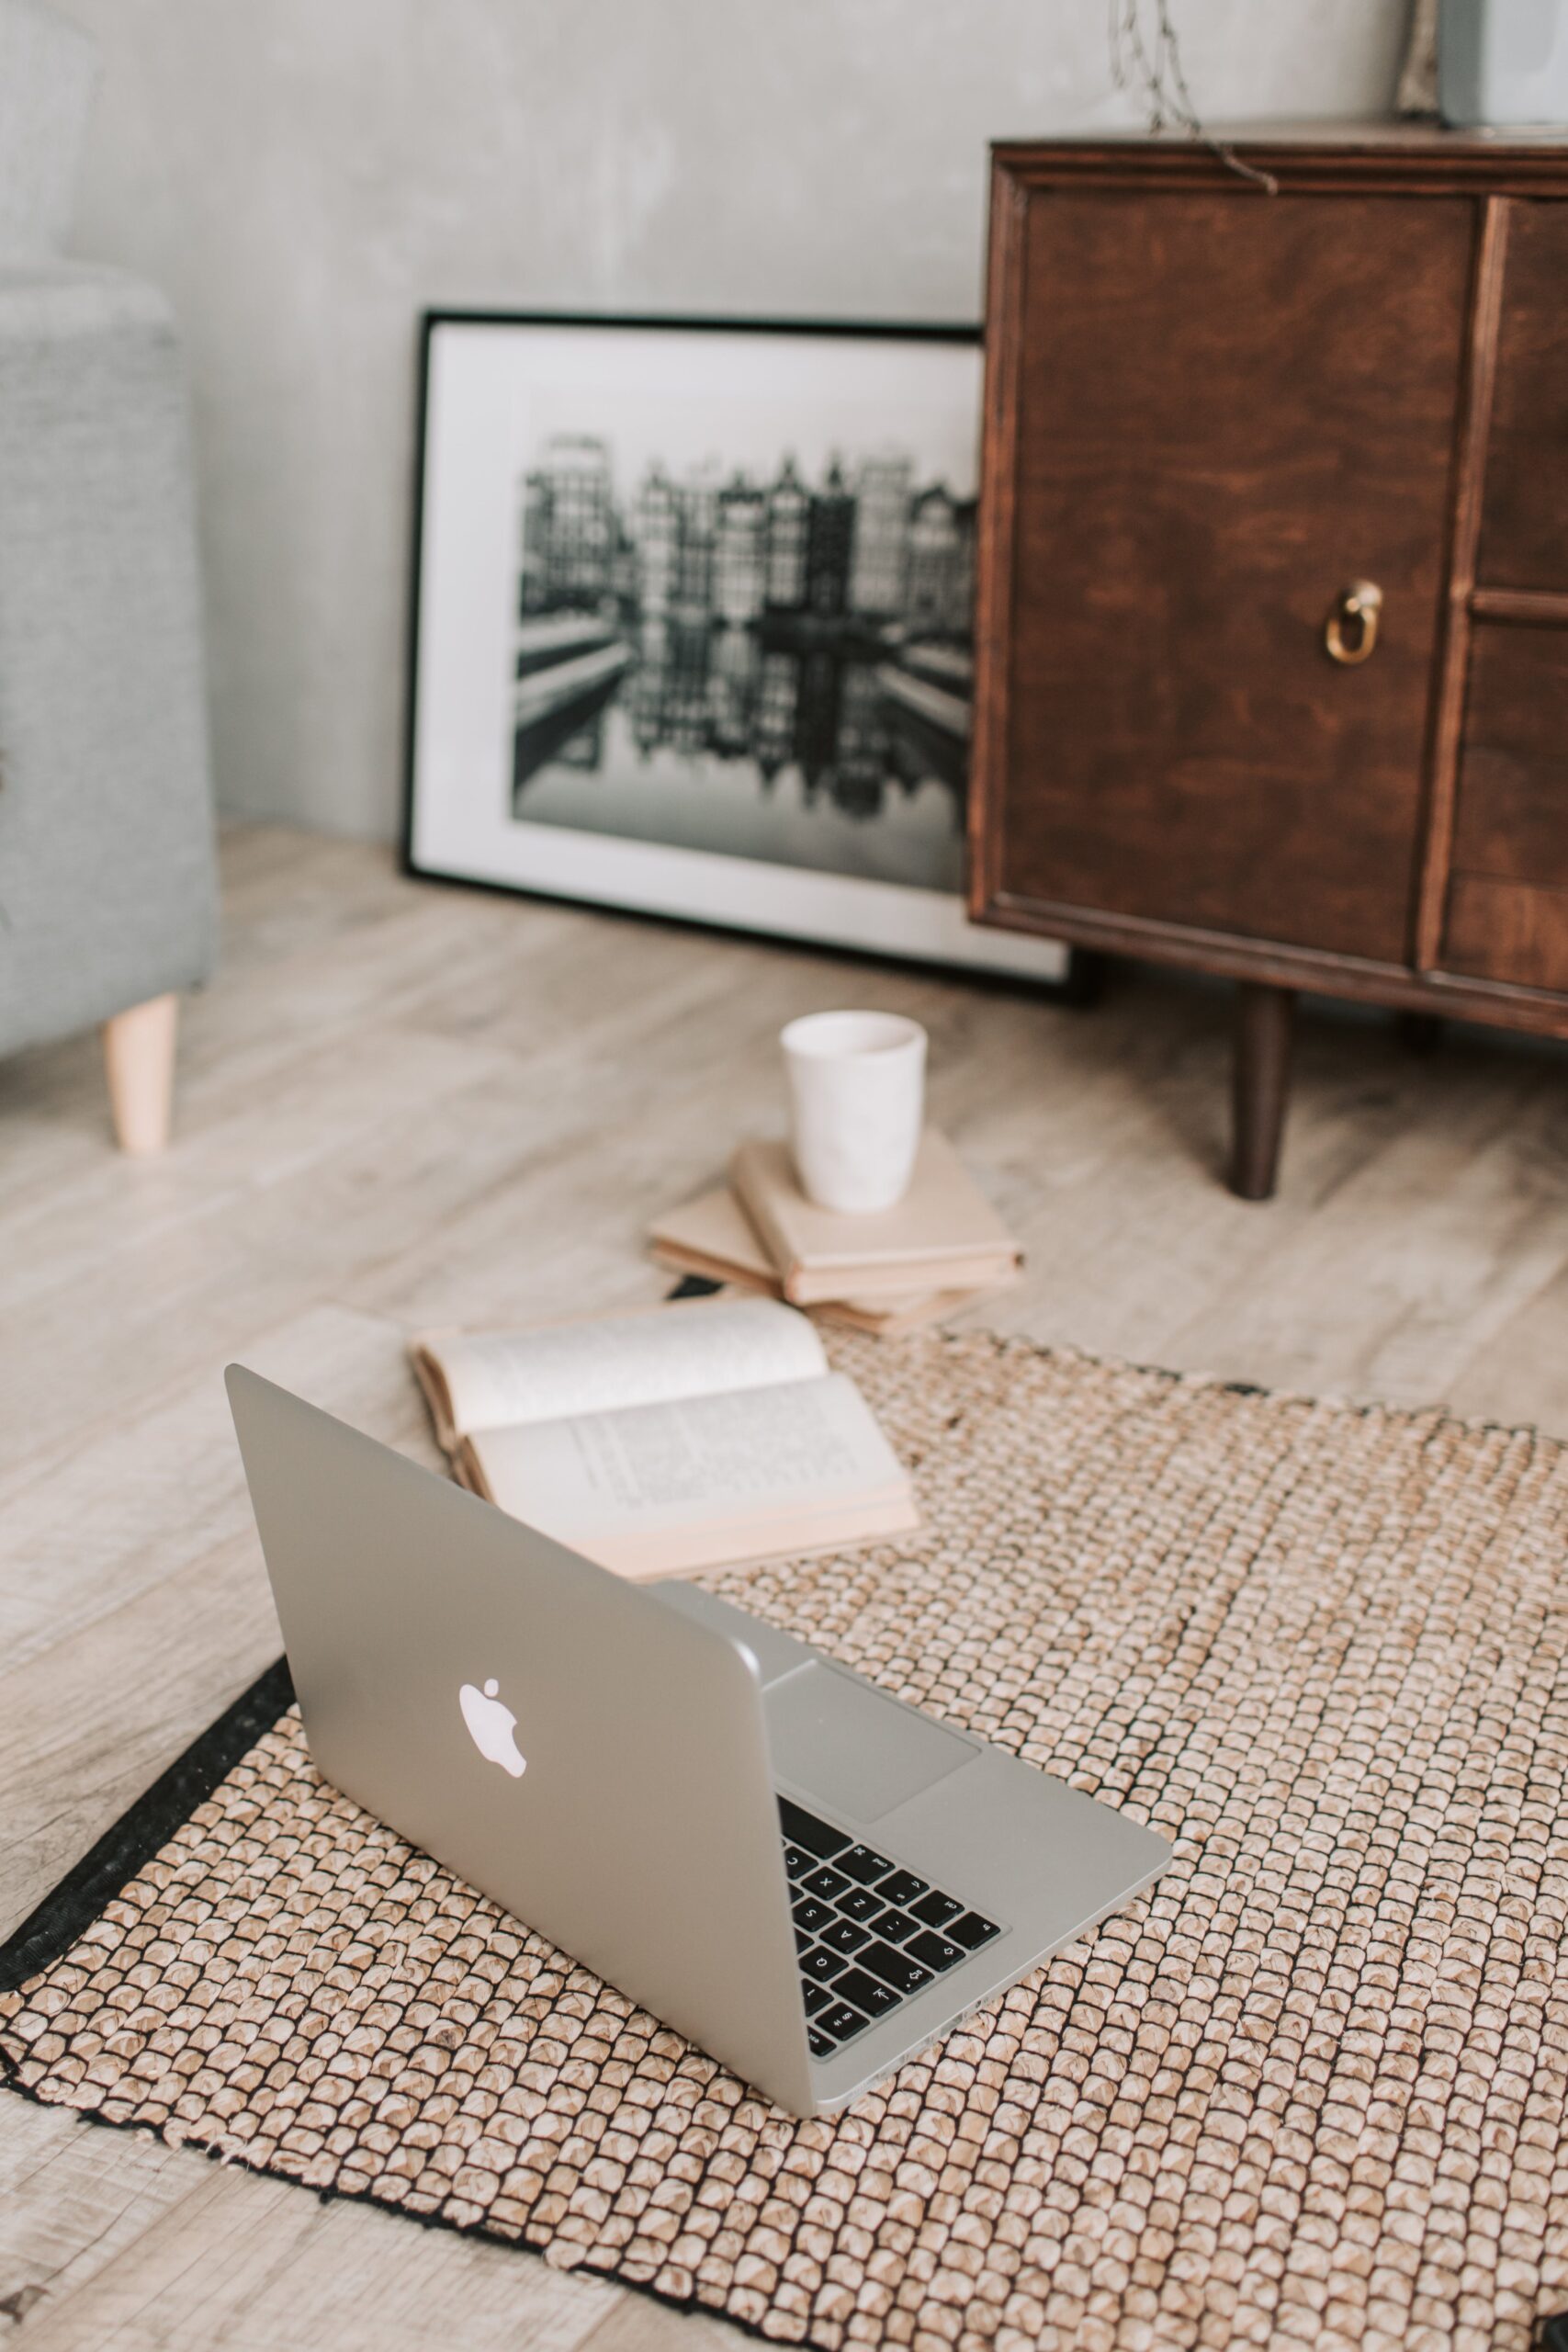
857	1084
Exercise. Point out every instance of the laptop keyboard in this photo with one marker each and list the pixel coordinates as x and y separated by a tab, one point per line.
869	1933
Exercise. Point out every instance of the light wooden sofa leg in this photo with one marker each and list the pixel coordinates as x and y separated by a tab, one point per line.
139	1058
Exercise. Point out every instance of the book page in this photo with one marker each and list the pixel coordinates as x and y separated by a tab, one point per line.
692	1462
688	1348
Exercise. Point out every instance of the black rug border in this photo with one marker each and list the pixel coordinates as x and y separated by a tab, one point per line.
146	1826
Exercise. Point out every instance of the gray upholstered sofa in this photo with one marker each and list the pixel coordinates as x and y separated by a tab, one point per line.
106	883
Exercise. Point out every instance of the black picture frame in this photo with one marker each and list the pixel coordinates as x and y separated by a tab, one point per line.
985	953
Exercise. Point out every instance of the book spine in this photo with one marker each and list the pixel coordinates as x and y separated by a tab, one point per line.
469	1471
813	1285
427	1372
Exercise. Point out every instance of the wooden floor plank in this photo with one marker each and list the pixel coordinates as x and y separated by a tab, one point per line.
1404	1270
123	2246
1519	1378
71	2200
148	1608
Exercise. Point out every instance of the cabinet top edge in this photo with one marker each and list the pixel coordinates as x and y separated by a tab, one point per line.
1423	151
1376	133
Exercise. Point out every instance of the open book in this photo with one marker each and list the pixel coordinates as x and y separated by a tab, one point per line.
703	1431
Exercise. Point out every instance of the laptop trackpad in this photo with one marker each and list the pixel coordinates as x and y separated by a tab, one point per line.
835	1738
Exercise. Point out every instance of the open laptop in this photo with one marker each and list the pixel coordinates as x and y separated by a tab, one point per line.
805	1877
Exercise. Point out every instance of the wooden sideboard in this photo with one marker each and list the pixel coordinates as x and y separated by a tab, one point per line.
1273	631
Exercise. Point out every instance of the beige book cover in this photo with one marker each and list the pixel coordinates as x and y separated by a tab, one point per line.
680	1437
713	1237
944	1234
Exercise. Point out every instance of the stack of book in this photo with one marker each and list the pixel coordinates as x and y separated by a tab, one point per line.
942	1246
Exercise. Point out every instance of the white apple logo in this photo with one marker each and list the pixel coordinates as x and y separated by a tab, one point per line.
491	1727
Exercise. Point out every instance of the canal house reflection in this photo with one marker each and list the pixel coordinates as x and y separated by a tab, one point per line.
763	626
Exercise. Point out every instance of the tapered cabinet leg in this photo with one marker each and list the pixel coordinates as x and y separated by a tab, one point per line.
138	1060
1420	1032
1260	1086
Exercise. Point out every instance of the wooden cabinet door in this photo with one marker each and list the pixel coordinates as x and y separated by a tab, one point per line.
1524	530
1228	407
1507	907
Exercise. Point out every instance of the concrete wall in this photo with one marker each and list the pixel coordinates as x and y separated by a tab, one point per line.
303	175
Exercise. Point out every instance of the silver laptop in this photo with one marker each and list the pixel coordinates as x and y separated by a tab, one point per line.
805	1878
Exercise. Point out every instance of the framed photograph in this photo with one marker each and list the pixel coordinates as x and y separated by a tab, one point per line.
693	625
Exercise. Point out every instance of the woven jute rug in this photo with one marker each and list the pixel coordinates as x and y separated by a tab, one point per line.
1312	2088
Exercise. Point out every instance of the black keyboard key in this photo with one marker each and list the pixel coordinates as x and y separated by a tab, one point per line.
820	1965
895	1926
894	1968
815	1996
803	1828
860	1903
797	1861
935	1909
820	2045
826	1882
812	1916
844	1936
901	1889
840	2021
863	1865
972	1931
933	1951
867	1993
804	1940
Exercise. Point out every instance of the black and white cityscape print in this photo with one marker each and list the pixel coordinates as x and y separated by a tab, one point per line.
771	664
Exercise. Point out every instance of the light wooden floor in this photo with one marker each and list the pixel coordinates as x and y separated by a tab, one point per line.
402	1105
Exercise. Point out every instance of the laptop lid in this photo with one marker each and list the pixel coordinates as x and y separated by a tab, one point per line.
592	1758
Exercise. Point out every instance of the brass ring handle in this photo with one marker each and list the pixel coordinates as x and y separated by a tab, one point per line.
1351	630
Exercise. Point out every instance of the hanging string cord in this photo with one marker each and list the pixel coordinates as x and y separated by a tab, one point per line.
1151	68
